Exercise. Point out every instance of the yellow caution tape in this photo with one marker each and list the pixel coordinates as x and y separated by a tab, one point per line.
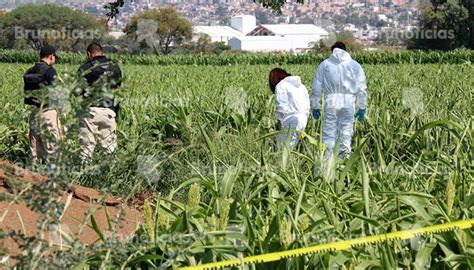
336	246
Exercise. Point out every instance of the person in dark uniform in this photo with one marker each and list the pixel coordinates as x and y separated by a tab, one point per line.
44	124
103	76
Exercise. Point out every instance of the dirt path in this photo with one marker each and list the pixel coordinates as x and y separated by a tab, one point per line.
80	203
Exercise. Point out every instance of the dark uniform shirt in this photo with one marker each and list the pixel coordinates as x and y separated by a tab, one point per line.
47	80
50	75
95	68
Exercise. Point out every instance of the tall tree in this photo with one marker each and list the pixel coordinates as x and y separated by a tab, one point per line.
324	45
161	29
31	26
469	30
262	16
443	25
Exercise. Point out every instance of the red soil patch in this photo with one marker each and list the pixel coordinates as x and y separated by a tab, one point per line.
81	203
139	199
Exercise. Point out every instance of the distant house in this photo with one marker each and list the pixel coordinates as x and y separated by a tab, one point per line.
239	26
299	37
382	17
243	34
116	34
260	43
217	33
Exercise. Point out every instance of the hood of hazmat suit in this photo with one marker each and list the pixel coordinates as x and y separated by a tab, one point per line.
339	74
291	98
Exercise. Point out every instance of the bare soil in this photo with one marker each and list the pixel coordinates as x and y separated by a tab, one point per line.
80	202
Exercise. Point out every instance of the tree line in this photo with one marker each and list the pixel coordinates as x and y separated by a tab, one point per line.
161	31
443	25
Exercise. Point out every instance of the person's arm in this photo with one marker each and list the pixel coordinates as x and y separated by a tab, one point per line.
305	101
80	76
281	103
362	89
80	72
116	77
50	76
317	88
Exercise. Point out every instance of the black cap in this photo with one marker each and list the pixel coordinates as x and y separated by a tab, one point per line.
47	50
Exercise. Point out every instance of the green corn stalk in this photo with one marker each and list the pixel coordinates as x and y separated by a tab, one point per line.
409	153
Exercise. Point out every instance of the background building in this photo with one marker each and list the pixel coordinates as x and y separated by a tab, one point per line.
244	34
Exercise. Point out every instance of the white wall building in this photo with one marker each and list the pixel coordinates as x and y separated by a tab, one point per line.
239	26
217	33
244	34
299	36
116	34
243	23
260	43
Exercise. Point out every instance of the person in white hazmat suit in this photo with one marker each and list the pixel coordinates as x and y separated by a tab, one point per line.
292	105
342	80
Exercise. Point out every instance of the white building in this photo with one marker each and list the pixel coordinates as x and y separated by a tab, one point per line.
217	33
260	43
244	34
116	34
239	26
299	36
244	23
382	17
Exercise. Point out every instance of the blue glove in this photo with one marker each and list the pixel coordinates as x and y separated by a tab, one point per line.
316	114
361	115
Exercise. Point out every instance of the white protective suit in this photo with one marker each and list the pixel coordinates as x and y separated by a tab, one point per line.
342	80
292	108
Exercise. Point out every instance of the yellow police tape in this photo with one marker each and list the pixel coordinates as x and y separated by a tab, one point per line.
343	245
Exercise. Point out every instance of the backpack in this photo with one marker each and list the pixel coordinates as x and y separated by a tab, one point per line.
110	69
34	80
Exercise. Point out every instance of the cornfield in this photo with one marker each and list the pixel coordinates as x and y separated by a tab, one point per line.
370	58
224	192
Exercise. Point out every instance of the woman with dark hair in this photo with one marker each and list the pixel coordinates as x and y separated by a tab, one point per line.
292	105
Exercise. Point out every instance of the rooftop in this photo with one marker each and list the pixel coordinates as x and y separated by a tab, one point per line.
218	30
295	29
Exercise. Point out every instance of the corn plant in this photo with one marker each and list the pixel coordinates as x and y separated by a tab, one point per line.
224	192
239	58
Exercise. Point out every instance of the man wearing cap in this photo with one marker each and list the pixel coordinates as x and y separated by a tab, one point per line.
102	76
44	125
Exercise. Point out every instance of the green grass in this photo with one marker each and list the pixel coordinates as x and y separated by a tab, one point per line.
416	140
